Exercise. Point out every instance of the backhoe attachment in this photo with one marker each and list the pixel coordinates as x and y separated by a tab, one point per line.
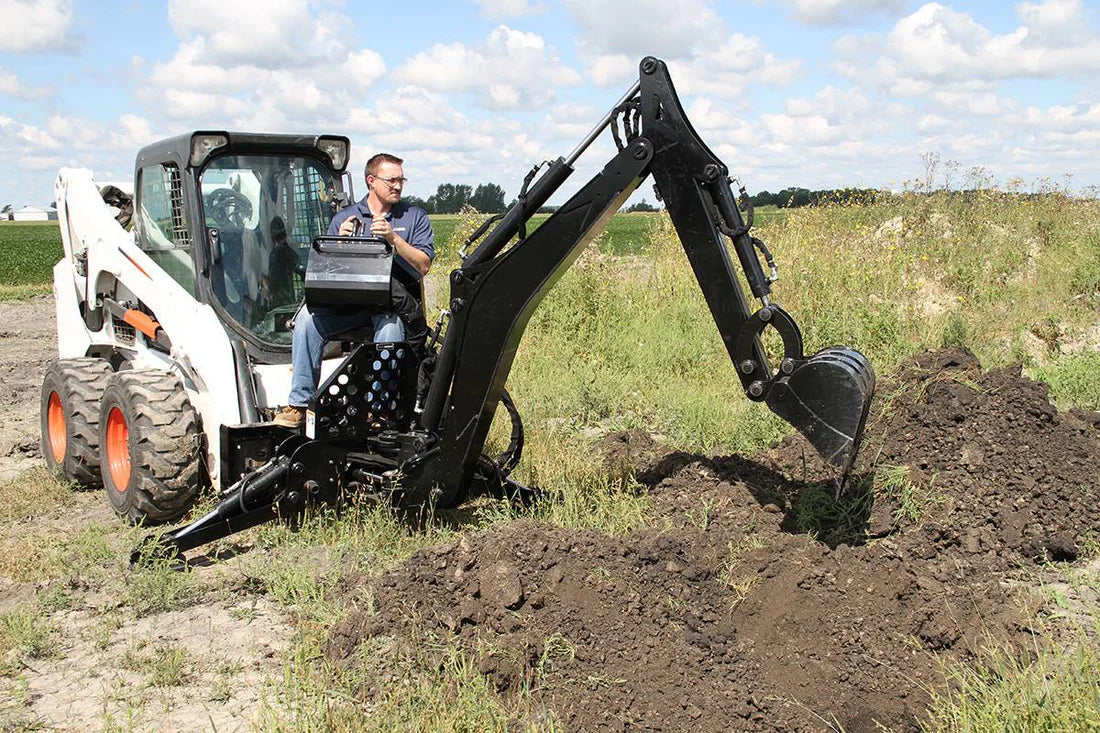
431	453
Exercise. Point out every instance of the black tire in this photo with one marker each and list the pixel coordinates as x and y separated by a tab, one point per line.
69	409
152	446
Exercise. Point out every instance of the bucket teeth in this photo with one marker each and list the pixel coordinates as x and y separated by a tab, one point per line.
826	399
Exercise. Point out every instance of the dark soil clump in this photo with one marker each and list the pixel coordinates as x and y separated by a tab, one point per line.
760	601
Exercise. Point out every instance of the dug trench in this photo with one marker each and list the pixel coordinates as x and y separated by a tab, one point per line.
761	597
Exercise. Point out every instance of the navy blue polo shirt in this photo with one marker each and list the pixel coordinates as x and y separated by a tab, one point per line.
410	222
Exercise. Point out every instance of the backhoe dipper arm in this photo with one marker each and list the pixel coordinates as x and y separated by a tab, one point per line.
497	289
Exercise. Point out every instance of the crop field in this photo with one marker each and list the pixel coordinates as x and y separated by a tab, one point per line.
28	252
691	564
625	233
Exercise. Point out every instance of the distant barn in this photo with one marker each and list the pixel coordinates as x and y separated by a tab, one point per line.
33	213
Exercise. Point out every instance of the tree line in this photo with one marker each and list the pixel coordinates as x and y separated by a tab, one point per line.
792	198
449	198
488	198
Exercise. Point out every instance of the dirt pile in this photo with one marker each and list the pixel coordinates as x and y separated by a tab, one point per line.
761	602
1008	477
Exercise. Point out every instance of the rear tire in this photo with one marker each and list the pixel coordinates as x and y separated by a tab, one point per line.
152	446
69	408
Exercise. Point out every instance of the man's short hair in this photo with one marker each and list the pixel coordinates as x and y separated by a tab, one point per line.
376	162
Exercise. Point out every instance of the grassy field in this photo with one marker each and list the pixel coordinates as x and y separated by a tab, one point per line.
626	234
625	340
28	252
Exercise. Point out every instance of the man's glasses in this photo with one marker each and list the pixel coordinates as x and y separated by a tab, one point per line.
393	182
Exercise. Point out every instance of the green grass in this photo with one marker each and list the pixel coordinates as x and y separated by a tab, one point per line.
628	342
1073	381
157	585
1031	692
28	252
31	494
164	665
625	233
24	634
625	340
436	688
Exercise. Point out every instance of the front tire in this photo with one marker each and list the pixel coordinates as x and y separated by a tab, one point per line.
69	408
151	446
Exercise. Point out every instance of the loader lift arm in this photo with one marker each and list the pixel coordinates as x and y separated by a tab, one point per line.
439	460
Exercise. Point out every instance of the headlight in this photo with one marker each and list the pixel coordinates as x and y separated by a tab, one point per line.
336	148
202	144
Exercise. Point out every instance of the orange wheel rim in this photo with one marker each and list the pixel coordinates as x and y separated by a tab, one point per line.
55	428
118	449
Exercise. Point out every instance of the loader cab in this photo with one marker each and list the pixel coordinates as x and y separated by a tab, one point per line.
261	213
231	218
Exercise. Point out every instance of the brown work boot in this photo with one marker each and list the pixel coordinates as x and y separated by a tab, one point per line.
290	417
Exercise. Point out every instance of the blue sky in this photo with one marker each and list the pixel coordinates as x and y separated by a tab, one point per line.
818	93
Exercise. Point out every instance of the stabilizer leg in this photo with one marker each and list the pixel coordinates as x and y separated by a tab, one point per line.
250	502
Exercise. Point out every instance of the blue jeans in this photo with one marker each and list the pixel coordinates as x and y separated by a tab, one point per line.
311	330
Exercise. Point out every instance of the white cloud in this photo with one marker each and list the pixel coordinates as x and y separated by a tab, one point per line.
822	12
399	122
695	42
936	44
36	25
500	9
569	122
136	129
78	135
10	85
292	69
362	69
608	70
729	68
713	121
41	162
1054	22
34	152
38	139
447	145
511	69
190	70
615	35
1063	118
637	28
834	116
971	102
266	33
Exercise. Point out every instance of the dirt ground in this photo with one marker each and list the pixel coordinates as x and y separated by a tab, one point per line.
731	616
27	343
96	677
757	601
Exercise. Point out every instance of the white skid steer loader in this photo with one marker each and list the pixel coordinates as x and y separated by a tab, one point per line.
172	334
